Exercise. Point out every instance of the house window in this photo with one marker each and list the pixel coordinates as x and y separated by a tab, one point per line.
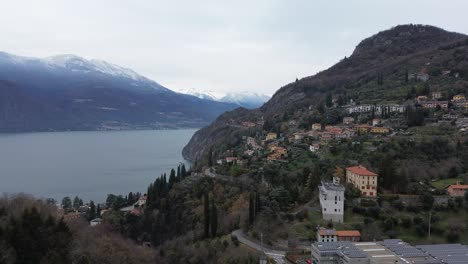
371	193
335	210
364	193
324	209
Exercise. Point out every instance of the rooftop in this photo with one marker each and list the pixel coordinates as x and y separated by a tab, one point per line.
330	186
361	170
348	233
458	186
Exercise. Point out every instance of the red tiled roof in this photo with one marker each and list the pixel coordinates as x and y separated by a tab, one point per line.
327	232
144	197
360	170
348	233
459	186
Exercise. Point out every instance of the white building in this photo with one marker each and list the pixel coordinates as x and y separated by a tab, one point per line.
332	200
378	109
95	222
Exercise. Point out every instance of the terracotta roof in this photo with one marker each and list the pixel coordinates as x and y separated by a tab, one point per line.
144	197
348	233
360	170
327	232
459	186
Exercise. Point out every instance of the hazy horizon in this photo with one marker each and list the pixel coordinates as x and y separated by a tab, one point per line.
212	46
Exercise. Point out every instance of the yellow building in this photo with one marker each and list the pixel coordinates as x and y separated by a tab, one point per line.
363	129
458	97
271	136
380	130
363	179
316	126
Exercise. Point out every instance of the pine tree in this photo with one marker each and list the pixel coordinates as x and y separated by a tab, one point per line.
76	203
206	210
213	219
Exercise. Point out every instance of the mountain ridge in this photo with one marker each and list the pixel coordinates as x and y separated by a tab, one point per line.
79	94
368	60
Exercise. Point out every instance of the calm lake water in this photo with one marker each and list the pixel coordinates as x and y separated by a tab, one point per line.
88	164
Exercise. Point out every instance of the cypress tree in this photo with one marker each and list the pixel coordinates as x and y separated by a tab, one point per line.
183	171
98	211
251	209
178	172
257	203
206	209
91	211
214	219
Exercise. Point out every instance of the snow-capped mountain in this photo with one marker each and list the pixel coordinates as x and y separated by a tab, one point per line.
245	99
205	94
68	92
76	63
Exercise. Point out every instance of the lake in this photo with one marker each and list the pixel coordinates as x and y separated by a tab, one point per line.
88	164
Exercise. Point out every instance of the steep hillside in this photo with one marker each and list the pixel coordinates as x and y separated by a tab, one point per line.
67	92
393	56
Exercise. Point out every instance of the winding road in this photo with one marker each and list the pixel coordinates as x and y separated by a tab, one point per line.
278	256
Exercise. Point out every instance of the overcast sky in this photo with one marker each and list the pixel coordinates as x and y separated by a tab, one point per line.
214	45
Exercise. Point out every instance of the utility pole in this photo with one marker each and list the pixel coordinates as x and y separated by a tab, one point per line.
430	219
261	242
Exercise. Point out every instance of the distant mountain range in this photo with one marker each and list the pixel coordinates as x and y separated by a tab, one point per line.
67	92
244	99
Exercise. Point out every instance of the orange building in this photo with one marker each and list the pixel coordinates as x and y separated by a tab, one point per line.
348	235
363	179
457	189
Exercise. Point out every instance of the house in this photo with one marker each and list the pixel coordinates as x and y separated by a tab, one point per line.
332	235
375	121
363	129
363	179
316	126
449	117
231	160
365	108
420	99
331	196
271	136
71	217
436	95
141	201
314	147
458	97
435	104
326	235
299	136
380	130
249	152
461	104
457	190
248	124
348	235
422	76
326	137
95	222
348	120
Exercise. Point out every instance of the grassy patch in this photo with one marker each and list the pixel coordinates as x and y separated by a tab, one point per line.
443	183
